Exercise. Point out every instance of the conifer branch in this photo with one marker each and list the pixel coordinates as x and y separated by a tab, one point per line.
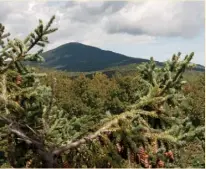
17	50
49	108
106	127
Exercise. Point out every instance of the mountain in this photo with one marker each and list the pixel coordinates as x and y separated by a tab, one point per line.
199	67
77	57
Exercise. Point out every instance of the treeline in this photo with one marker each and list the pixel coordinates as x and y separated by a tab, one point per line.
98	94
101	96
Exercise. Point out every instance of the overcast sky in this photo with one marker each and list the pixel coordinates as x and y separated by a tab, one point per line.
138	29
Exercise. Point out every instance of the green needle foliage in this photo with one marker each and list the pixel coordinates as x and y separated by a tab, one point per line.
147	130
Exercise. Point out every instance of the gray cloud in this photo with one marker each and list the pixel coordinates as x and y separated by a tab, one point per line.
5	9
97	23
89	12
159	18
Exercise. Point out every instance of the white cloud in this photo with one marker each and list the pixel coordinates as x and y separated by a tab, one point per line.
99	23
159	18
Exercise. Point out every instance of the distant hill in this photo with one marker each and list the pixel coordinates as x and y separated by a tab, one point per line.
77	57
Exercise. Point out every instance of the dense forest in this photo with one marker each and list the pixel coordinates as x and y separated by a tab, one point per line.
150	118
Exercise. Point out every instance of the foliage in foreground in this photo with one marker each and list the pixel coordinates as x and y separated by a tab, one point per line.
147	128
191	155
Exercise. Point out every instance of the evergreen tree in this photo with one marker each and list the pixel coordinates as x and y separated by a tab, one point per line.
25	103
36	133
153	129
